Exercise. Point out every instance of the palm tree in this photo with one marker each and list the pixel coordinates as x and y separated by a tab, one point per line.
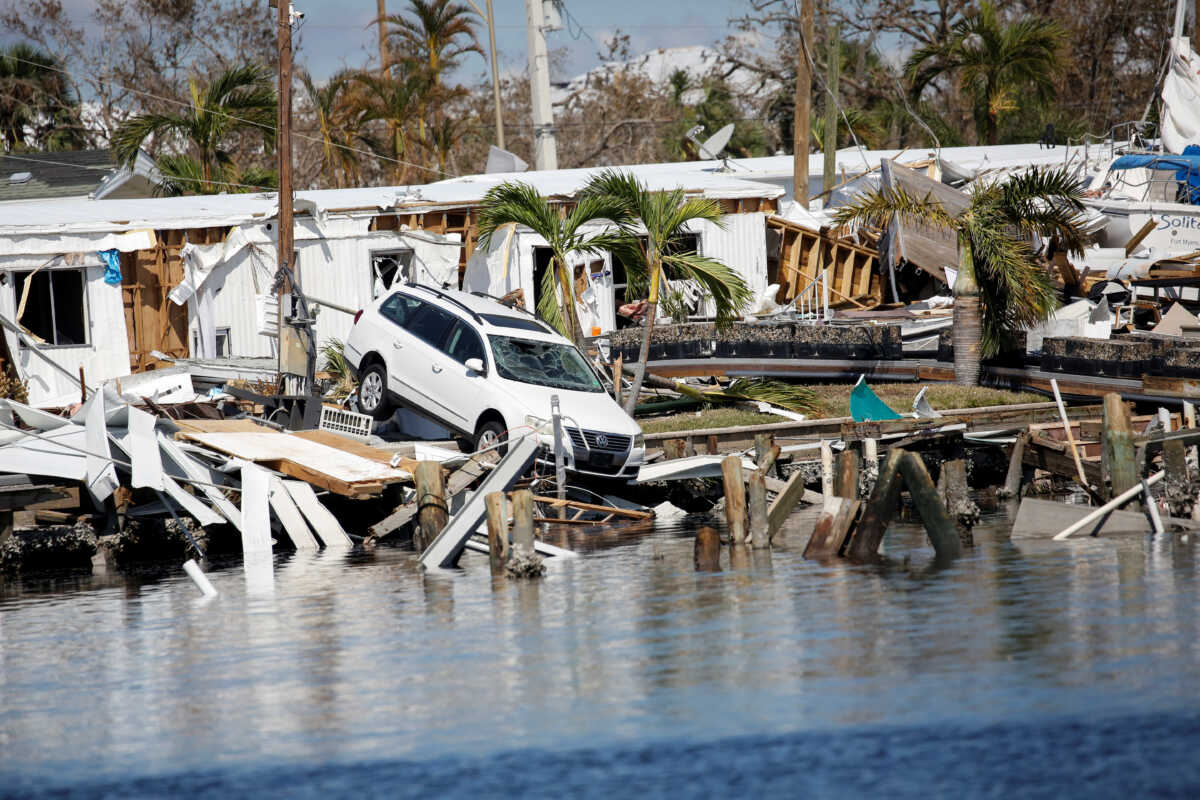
995	61
665	216
515	202
343	125
435	39
1001	288
239	99
38	107
391	99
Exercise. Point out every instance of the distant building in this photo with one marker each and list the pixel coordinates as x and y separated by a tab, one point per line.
82	174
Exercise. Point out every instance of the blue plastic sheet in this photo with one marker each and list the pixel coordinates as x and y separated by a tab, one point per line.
1186	166
865	405
112	266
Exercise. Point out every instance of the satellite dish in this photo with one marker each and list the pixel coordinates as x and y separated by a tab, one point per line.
711	148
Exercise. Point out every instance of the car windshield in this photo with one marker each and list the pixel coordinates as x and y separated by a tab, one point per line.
559	366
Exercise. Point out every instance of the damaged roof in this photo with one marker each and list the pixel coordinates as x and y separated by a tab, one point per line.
28	176
197	211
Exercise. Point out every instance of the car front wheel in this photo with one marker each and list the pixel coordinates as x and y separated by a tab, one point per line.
491	434
372	392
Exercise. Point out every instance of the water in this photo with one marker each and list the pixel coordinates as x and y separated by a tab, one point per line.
1022	669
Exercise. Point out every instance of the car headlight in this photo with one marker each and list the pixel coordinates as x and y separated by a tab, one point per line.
639	440
537	423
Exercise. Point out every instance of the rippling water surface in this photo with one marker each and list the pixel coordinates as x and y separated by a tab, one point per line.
1025	668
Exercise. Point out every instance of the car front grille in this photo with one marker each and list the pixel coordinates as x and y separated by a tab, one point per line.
598	440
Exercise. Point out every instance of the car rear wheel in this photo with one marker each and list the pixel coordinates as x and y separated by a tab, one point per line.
490	434
372	392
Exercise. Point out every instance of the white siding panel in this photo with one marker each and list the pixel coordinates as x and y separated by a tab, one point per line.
741	244
106	356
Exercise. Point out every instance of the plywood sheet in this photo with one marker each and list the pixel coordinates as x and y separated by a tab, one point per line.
332	468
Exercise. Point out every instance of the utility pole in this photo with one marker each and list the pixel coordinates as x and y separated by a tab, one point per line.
833	69
545	152
491	23
293	349
803	99
383	48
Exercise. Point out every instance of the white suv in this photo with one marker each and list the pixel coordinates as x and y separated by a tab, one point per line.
485	370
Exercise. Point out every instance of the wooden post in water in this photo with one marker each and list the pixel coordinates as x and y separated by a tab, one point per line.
522	530
497	523
826	469
881	507
735	498
957	499
763	442
707	551
1117	439
759	530
1016	466
712	445
1189	421
942	533
432	515
768	461
845	479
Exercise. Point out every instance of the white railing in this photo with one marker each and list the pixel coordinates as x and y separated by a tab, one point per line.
812	302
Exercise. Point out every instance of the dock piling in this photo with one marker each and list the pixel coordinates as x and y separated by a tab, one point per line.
432	513
735	498
826	469
1012	480
759	529
1117	438
845	478
497	523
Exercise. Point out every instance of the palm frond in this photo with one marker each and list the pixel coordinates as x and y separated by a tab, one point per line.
877	208
784	395
519	202
727	288
548	306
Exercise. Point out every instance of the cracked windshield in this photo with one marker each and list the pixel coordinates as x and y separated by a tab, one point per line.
543	364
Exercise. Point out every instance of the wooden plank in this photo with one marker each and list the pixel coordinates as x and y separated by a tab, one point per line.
290	517
829	534
844	264
323	522
791	494
879	510
620	512
331	468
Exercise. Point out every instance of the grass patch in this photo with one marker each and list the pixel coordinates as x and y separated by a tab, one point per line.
716	417
834	401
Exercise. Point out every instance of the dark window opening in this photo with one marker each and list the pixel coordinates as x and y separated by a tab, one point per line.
543	257
54	310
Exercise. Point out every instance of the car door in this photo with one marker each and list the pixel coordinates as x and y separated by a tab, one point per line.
421	362
397	341
465	390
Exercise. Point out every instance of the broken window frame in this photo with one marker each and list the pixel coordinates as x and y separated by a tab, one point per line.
224	346
404	258
16	277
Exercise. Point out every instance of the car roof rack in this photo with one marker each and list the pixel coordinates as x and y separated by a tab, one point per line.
439	293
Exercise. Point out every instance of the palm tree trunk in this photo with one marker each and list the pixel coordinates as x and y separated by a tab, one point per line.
647	331
968	328
568	292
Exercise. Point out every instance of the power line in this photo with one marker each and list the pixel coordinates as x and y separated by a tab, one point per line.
252	123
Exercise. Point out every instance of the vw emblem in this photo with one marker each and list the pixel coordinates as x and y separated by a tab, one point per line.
601	440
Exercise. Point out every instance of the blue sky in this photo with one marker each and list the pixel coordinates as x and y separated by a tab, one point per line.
334	34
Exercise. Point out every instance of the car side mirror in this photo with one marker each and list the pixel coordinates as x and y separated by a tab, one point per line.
474	364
